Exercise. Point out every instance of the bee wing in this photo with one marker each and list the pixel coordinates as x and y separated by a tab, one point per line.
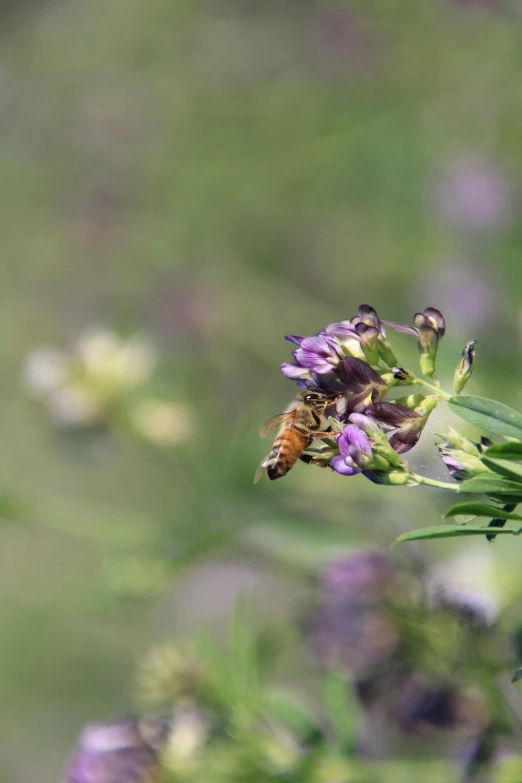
272	424
260	472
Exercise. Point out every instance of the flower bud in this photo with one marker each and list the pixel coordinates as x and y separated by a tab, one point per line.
461	465
394	478
465	367
452	439
412	401
403	376
386	353
426	406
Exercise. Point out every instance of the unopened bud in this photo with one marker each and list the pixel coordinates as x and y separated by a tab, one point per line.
454	440
426	406
427	363
404	376
391	478
386	353
412	401
465	367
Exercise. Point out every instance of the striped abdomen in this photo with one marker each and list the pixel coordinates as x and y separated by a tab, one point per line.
287	448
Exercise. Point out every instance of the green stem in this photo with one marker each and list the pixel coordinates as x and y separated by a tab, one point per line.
429	482
442	395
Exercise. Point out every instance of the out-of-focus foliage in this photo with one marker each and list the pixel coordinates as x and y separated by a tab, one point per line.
217	174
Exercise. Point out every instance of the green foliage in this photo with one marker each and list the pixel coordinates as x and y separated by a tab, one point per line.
488	415
454	531
480	510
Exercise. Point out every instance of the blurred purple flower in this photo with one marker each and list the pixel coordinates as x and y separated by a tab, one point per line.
126	751
352	627
472	195
184	309
340	42
422	707
360	576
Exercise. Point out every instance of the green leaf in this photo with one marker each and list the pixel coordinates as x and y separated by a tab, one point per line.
504	467
451	531
493	483
505	498
293	713
342	709
481	510
505	451
488	415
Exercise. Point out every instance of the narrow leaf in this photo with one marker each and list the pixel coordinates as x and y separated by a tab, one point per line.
505	451
491	483
504	467
481	510
451	531
505	498
488	415
292	712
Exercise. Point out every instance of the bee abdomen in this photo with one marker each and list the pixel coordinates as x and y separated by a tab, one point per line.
284	454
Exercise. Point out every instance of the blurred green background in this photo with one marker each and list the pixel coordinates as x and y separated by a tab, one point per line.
218	174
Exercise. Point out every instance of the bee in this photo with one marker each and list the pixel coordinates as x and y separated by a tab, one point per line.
299	425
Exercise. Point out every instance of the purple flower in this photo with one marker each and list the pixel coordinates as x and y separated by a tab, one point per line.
408	424
430	327
473	195
473	298
456	469
320	354
353	625
358	376
355	451
294	338
368	318
365	423
294	371
346	334
363	576
125	751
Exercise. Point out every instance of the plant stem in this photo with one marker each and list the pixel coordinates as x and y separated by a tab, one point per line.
429	482
442	395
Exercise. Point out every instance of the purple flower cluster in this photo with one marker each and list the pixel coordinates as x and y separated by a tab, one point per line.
353	361
363	337
362	625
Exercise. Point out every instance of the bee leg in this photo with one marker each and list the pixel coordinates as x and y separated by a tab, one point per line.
310	460
315	435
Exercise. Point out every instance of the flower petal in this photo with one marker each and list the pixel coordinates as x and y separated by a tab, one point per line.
365	423
391	413
340	466
399	326
294	371
294	338
340	329
436	319
357	375
353	436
